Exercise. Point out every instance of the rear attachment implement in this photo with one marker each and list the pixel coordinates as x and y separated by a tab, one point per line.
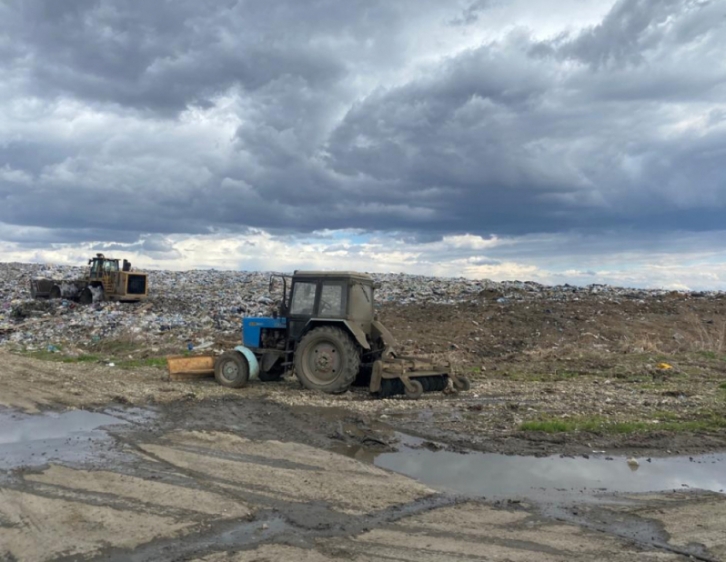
413	376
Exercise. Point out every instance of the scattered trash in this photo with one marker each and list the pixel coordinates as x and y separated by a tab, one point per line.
206	305
633	464
663	366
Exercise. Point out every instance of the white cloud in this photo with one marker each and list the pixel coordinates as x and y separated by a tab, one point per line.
477	258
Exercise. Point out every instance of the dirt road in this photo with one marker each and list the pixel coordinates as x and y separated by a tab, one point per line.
222	477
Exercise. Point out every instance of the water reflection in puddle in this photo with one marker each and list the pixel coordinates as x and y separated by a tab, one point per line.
32	440
504	476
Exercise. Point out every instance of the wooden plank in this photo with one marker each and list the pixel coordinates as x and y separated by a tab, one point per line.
184	368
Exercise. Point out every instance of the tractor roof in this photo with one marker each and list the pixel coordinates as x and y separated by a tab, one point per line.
336	274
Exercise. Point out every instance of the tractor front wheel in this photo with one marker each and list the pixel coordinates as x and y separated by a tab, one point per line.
327	359
231	369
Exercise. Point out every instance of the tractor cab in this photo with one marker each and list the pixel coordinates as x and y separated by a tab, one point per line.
328	297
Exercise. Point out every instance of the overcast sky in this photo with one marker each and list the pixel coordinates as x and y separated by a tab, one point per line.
575	141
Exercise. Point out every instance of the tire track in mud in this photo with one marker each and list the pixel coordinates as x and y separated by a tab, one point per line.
268	526
643	532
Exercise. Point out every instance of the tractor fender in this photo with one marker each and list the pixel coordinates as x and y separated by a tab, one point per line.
353	328
251	361
385	335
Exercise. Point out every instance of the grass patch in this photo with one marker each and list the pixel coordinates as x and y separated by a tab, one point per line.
710	356
158	362
667	421
115	347
722	386
81	359
560	426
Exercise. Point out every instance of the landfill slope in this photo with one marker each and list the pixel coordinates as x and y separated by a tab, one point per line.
595	367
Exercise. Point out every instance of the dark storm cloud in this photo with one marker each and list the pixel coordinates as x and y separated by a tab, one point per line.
504	138
196	116
164	56
34	237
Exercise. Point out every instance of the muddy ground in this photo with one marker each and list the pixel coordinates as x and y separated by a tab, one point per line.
275	472
241	479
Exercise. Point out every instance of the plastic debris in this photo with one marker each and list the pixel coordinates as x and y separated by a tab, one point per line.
205	306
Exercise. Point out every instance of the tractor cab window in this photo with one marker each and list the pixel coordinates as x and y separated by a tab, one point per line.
95	266
110	266
303	298
332	299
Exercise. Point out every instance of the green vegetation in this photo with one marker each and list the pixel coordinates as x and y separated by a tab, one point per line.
668	421
722	386
159	362
81	359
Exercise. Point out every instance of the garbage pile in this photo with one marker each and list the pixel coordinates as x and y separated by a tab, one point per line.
203	305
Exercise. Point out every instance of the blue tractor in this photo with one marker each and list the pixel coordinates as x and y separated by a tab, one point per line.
326	330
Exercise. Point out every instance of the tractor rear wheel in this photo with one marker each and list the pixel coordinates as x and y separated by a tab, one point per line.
327	359
231	369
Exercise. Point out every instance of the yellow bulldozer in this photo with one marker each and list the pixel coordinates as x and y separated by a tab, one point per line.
105	279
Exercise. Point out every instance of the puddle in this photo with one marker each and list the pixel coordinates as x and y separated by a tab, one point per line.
74	436
549	478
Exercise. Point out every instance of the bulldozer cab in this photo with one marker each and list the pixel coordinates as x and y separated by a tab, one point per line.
331	296
105	271
101	267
